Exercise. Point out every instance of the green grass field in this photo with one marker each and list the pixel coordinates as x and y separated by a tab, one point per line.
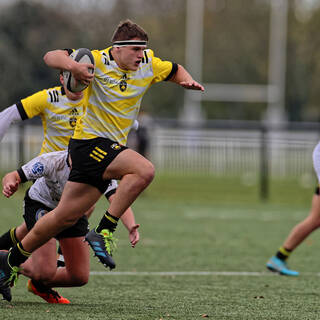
204	245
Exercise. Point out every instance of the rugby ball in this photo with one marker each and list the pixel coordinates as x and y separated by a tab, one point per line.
82	55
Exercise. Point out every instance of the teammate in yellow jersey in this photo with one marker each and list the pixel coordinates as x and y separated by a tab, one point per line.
59	110
123	73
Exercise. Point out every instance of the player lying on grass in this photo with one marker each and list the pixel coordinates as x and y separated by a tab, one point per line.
51	172
123	74
278	262
59	110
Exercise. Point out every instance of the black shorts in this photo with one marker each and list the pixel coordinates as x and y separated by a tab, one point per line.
90	158
34	210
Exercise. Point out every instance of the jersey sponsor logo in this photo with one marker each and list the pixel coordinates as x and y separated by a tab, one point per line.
114	82
40	213
73	119
109	80
37	168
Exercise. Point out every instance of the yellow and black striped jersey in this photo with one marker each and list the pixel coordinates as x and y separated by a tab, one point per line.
58	114
113	98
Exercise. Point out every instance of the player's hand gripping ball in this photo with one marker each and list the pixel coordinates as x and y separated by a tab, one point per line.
82	55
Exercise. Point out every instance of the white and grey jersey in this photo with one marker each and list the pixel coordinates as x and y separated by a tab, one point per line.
112	187
316	160
51	172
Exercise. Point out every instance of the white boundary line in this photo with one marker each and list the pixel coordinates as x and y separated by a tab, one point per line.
184	273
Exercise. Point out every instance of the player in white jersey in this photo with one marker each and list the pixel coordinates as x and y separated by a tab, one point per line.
51	171
278	262
123	74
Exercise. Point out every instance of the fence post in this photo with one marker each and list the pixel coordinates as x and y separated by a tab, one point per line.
264	164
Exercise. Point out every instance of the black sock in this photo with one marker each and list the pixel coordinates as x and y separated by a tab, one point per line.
17	255
8	239
283	253
107	222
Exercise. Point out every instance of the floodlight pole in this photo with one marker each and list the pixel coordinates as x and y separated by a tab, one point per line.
277	62
192	112
275	116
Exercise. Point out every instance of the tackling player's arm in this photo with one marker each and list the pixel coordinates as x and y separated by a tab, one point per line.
34	169
129	222
25	109
184	79
7	117
59	59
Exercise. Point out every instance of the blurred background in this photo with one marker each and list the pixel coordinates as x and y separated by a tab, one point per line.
258	60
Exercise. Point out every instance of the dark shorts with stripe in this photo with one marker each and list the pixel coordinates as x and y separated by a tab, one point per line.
90	158
34	210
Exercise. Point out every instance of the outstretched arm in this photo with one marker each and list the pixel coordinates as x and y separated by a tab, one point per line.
184	79
10	183
128	220
59	59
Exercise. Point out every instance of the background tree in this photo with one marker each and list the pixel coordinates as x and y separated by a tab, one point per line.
236	48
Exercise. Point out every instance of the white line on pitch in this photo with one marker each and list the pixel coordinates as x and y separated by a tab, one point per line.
178	273
191	273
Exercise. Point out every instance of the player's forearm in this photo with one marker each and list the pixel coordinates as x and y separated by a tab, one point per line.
7	117
184	79
181	75
59	59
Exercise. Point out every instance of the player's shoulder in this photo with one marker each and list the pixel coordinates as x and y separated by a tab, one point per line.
53	94
149	53
147	56
103	56
50	93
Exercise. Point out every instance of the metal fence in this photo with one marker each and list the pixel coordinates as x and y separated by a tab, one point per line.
246	150
234	151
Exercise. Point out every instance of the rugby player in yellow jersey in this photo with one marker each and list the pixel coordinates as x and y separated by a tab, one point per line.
123	74
59	110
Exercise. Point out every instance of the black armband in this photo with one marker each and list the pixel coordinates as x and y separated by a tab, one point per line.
173	71
22	175
21	110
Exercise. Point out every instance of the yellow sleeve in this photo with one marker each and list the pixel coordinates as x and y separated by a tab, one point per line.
162	70
35	104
